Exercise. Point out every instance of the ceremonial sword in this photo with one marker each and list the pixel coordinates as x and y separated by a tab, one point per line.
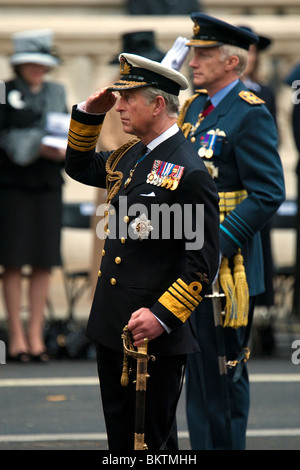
142	357
216	297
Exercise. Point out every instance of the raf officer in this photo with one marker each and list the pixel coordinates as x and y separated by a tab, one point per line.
235	137
155	269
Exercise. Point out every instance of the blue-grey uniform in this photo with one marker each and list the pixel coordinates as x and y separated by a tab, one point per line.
237	141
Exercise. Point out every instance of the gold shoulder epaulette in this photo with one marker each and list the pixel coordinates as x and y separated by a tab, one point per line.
201	91
250	97
185	107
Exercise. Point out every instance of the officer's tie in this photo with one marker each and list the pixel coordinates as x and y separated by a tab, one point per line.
189	129
208	107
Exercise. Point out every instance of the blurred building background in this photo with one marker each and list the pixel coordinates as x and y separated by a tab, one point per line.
88	35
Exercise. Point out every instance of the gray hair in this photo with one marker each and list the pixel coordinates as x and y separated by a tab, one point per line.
172	101
226	50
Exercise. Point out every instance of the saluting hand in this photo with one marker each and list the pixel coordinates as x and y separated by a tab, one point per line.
101	101
143	324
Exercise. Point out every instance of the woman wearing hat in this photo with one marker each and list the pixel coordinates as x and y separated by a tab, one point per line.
30	189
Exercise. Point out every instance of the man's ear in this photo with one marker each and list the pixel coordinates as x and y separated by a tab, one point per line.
231	62
159	105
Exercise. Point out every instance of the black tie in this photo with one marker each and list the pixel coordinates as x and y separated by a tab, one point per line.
207	104
143	150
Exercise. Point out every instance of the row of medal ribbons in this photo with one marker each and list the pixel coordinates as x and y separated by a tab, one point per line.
166	175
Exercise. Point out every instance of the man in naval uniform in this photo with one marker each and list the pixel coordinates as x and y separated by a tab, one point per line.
235	136
161	251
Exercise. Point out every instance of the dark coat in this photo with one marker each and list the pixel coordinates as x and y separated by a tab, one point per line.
27	112
160	272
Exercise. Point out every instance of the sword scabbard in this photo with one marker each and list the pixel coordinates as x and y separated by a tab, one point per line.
142	358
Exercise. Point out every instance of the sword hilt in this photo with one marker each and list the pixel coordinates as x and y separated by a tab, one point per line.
128	350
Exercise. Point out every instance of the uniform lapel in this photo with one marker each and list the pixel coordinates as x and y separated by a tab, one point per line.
211	120
163	152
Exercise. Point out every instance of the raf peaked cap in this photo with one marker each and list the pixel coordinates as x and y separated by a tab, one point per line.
137	72
212	32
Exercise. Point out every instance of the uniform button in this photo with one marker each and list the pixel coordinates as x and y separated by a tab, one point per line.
193	139
126	218
113	281
123	240
103	252
99	273
118	260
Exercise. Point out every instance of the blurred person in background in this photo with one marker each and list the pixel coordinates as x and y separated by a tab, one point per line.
30	189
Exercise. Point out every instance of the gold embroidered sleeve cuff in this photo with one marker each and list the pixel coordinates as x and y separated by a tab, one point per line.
181	299
84	131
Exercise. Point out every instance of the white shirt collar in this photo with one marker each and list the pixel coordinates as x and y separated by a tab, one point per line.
162	137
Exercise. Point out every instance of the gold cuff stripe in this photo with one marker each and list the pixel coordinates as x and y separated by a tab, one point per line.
182	299
82	146
83	138
187	289
175	307
84	130
82	143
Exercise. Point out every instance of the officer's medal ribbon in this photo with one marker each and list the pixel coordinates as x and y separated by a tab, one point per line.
212	143
165	174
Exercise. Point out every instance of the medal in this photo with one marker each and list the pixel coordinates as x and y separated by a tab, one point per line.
201	151
175	184
212	143
165	175
209	153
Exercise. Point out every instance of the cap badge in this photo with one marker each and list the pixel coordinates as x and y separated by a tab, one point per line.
125	68
196	28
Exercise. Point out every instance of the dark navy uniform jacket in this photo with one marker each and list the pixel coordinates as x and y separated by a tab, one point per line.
160	272
246	168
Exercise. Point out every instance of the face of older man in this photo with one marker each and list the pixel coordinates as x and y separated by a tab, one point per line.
137	116
209	71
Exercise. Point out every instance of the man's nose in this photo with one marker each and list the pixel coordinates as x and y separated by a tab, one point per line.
119	105
192	62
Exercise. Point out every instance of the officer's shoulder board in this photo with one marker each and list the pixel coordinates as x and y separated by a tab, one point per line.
201	91
186	105
250	97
